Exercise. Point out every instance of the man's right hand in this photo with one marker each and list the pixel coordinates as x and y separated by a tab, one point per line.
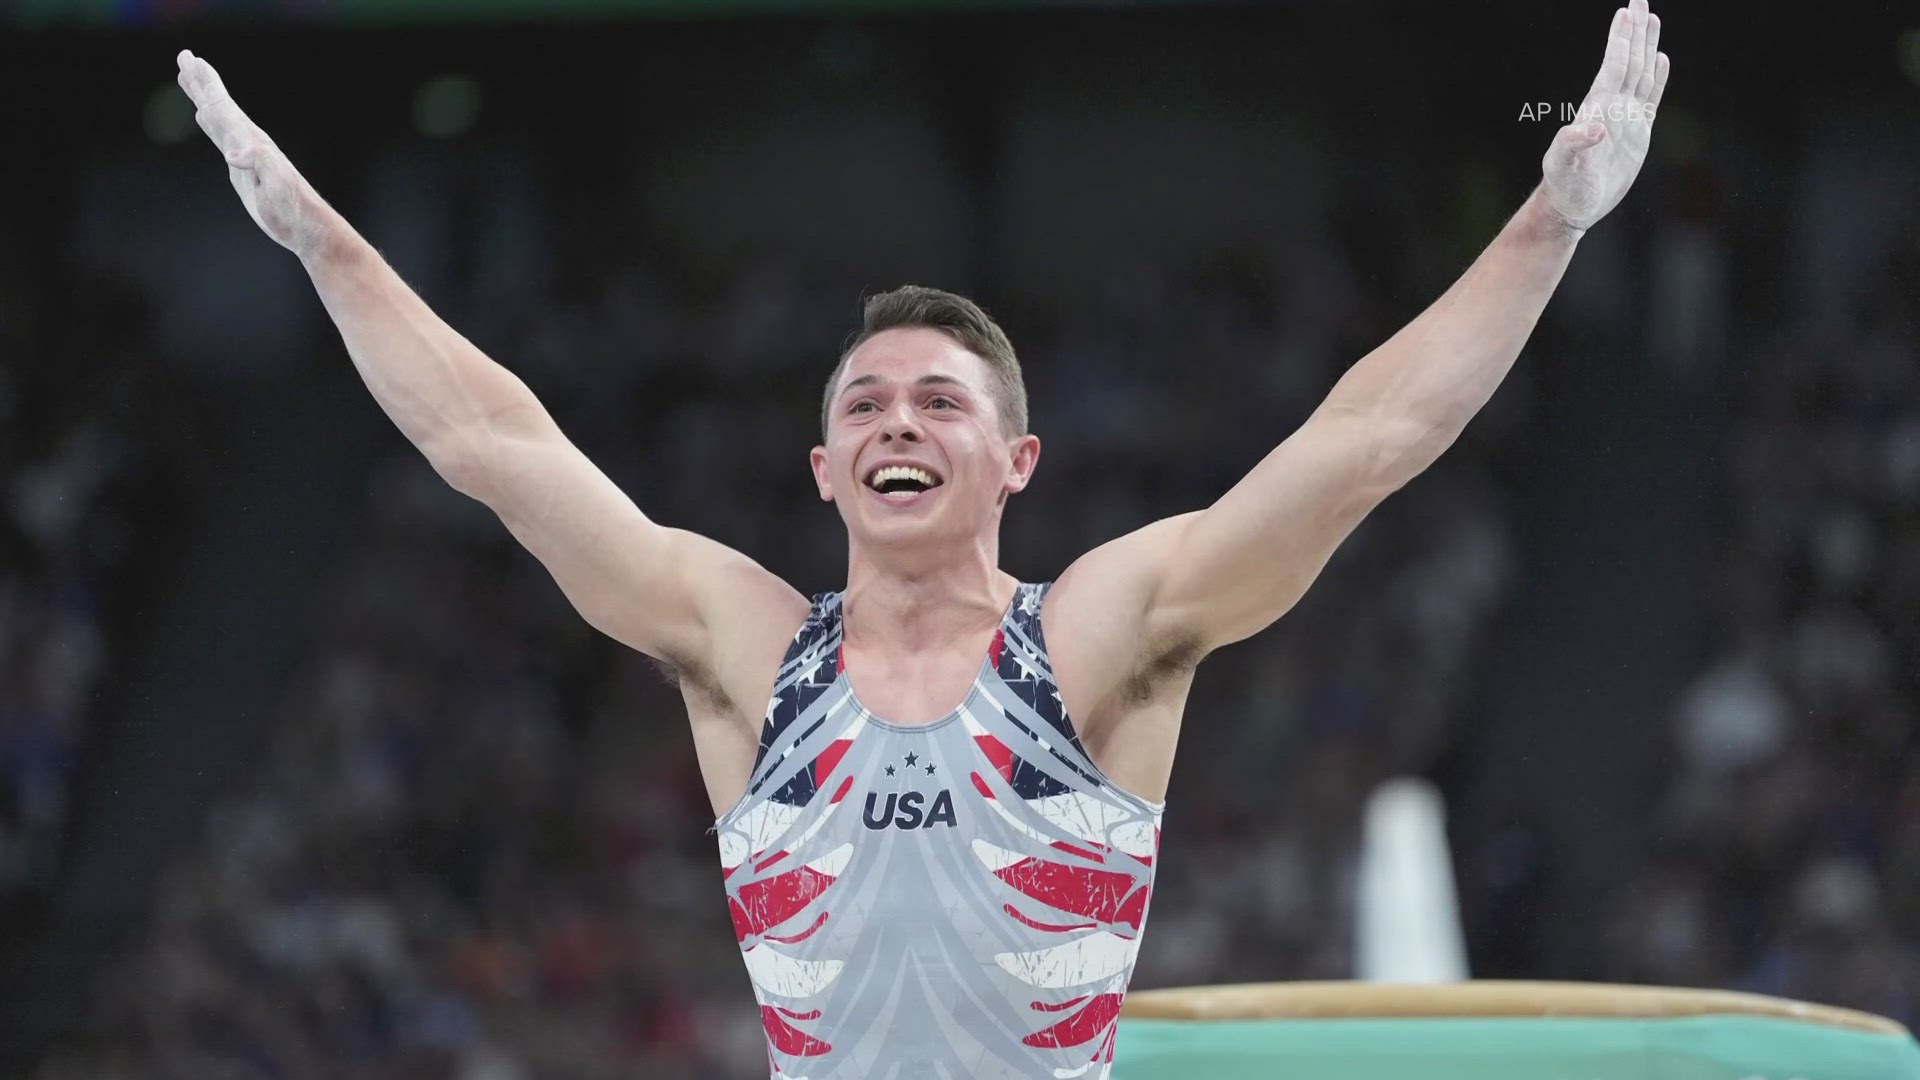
281	201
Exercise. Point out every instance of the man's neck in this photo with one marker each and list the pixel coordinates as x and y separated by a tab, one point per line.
928	606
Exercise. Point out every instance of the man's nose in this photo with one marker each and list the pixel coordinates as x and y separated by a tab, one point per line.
901	423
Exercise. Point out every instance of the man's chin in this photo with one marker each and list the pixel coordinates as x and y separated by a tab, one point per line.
905	529
901	526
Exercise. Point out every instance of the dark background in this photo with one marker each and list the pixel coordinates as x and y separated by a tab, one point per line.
306	769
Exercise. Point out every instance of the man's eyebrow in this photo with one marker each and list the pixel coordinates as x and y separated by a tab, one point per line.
924	380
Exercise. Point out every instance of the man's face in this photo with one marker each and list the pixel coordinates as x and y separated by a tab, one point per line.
916	397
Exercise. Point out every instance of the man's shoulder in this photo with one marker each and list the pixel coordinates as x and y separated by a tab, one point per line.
1110	590
754	617
1098	620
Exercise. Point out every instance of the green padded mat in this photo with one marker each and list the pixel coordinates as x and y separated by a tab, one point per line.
1509	1048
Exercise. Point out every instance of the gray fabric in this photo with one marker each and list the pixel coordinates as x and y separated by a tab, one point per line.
977	920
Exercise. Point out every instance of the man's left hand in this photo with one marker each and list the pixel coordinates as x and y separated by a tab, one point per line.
1594	159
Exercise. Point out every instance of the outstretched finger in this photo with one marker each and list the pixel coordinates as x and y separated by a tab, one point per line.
1613	69
1649	65
199	80
203	85
1659	80
1637	46
224	124
217	113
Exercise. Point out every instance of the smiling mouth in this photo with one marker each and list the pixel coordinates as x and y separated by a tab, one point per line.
892	480
904	496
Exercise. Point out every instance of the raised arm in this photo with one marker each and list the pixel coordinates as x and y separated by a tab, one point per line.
1221	574
663	591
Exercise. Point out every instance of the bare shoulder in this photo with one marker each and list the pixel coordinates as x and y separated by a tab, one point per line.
750	615
1110	656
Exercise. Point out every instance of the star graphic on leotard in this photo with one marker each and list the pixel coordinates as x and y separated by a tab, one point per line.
1028	672
889	770
929	768
909	758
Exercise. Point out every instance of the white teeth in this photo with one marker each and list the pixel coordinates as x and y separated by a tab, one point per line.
900	472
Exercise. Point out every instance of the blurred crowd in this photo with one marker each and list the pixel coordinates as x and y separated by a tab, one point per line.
91	478
1788	855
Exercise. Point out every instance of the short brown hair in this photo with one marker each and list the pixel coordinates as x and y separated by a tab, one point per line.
960	319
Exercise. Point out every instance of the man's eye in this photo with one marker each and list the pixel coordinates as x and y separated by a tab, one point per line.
948	402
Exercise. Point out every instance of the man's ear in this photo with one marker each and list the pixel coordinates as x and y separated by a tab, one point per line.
1025	452
817	460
